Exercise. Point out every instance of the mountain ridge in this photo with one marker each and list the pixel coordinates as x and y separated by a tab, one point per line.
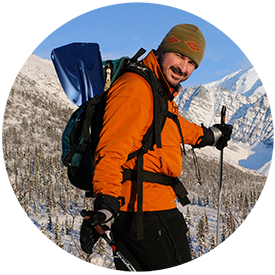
250	115
36	113
248	111
243	81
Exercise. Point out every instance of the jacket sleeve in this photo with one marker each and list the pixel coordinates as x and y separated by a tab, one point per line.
126	119
206	139
195	135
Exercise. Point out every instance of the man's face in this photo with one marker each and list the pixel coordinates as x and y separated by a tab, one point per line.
175	67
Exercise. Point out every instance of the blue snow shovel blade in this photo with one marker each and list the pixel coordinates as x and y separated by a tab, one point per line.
79	69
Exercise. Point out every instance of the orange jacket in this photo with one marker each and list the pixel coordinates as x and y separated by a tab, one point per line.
128	115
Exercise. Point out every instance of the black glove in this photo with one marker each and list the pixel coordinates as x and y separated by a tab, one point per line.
88	235
226	131
106	209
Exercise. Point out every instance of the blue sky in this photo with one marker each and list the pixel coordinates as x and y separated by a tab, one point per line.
238	34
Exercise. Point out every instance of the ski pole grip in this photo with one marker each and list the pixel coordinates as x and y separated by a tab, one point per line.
99	229
223	114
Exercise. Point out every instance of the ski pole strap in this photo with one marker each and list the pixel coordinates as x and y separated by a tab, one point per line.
86	214
174	117
197	169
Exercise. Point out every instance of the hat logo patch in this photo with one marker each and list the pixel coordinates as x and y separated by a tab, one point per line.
193	46
172	39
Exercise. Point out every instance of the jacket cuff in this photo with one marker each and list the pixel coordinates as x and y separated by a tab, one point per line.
206	139
107	202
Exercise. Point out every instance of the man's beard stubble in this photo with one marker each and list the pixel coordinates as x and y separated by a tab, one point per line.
174	69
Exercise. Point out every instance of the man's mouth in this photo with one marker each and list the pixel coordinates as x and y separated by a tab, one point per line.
178	71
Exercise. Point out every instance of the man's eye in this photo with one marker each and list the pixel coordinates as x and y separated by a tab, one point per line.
192	63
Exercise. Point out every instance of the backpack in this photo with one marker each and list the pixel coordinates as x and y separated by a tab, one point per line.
81	135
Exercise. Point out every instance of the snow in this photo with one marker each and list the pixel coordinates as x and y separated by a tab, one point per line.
43	74
248	111
264	170
199	105
256	157
242	92
245	82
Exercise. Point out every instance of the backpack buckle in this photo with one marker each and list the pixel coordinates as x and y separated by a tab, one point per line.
143	150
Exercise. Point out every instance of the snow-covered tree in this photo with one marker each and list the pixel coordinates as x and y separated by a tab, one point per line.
206	225
31	143
57	232
201	235
212	243
188	217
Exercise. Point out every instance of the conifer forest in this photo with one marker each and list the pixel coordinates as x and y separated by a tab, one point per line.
32	131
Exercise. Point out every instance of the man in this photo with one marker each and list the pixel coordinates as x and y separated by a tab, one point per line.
128	116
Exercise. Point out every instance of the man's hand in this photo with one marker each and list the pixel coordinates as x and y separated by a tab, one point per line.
222	133
88	235
103	217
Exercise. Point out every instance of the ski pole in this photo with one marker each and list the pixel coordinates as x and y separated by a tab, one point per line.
117	253
220	185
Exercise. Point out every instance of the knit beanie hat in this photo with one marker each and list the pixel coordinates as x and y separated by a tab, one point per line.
185	39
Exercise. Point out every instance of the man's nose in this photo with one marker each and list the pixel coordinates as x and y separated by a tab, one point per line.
183	66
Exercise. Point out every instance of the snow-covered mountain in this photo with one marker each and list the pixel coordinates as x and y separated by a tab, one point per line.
36	113
42	73
248	111
245	82
241	92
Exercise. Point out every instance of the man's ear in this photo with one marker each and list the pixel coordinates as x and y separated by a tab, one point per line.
158	54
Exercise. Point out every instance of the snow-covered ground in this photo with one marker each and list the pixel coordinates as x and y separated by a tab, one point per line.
32	130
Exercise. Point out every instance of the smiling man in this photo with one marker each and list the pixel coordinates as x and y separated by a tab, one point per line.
129	113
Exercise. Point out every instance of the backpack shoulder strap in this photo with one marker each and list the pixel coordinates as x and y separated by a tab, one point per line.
153	135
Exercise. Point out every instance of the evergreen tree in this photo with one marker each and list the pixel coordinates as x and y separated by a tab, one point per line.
50	224
206	225
43	229
212	243
223	231
201	236
188	217
67	227
57	232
